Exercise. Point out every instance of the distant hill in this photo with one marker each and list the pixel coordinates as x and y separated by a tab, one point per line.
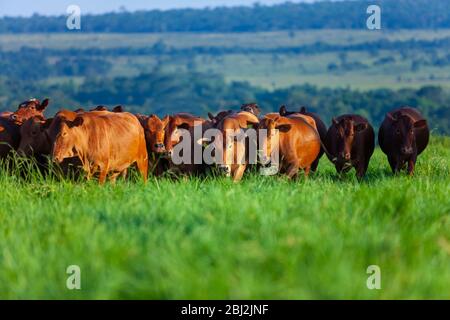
396	14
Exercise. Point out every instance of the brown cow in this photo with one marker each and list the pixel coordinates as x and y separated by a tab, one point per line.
232	144
105	142
154	129
403	135
320	125
350	142
296	139
28	109
39	134
37	139
172	134
9	136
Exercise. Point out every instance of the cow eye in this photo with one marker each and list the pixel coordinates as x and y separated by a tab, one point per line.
64	134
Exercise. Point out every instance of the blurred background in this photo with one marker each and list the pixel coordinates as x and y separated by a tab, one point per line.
198	56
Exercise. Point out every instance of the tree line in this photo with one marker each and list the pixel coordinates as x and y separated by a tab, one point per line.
348	14
164	93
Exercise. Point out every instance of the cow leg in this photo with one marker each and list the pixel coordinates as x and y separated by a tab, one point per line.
315	164
394	164
411	166
361	170
292	171
102	177
113	177
307	170
142	165
237	176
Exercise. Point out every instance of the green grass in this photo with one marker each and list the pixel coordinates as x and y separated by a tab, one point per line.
263	238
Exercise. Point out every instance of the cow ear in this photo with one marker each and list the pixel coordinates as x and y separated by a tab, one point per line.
46	124
76	123
184	125
334	121
43	105
118	109
283	127
210	116
420	123
165	121
282	110
361	127
303	110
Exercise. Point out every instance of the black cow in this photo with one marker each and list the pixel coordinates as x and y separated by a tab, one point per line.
350	142
403	135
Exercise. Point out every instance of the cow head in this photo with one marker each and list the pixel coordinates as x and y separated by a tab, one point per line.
232	141
154	133
346	129
219	116
34	138
252	108
173	134
270	139
28	109
67	139
403	132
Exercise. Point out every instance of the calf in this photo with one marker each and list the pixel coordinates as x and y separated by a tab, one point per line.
105	142
295	138
403	135
350	142
320	125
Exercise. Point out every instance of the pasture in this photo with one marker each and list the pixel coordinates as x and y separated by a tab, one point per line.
265	237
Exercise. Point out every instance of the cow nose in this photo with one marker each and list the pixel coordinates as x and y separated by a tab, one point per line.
406	150
224	169
347	156
160	147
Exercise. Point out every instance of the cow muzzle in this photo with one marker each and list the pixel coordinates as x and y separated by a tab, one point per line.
159	148
225	170
406	151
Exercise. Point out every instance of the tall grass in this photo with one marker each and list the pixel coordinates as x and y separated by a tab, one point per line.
266	237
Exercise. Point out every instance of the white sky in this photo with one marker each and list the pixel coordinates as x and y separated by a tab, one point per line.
58	7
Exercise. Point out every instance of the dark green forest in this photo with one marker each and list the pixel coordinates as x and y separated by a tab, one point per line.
397	14
199	93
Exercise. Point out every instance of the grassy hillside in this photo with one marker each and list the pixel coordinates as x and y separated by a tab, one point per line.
263	238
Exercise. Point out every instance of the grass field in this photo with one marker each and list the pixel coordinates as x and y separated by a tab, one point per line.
263	238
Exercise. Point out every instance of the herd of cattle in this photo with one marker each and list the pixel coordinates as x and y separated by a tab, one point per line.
106	143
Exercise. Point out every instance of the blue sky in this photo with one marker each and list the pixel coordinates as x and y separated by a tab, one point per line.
57	7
